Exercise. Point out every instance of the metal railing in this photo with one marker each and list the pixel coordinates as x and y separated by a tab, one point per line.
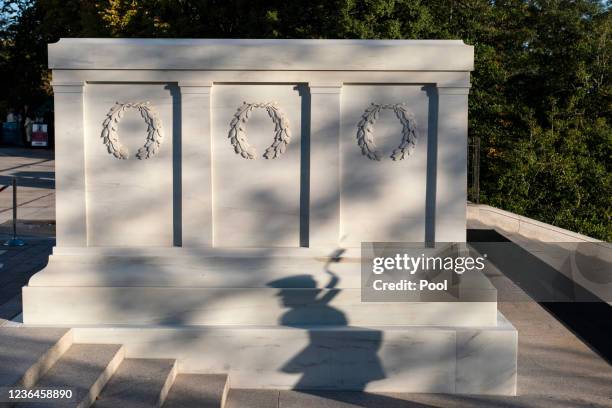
14	241
474	170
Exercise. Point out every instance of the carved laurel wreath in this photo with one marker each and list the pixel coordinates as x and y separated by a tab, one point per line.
154	130
365	131
237	133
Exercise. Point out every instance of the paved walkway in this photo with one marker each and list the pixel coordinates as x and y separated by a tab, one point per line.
35	172
556	369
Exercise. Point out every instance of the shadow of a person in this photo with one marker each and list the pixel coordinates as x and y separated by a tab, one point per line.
337	356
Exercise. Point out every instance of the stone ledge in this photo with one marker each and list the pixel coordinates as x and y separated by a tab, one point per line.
519	224
249	307
243	54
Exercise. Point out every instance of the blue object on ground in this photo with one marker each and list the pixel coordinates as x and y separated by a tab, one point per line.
10	133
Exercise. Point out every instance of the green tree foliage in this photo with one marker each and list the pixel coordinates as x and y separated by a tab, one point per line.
540	100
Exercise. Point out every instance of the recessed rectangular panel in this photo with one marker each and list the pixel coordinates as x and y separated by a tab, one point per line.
256	168
384	178
129	193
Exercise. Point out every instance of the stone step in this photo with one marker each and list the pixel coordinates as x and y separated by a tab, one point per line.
27	353
85	368
198	391
260	398
138	383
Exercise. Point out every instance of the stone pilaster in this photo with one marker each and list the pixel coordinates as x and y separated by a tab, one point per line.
196	164
324	214
70	198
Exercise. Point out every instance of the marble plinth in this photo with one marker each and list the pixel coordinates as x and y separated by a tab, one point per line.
248	290
476	360
70	306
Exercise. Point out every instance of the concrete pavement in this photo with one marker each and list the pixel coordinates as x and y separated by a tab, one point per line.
35	171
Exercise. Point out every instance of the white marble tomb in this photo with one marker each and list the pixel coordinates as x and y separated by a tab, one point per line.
203	184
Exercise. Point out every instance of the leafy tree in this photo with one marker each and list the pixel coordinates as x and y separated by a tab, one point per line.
540	100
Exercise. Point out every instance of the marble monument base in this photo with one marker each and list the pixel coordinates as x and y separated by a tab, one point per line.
271	320
426	359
